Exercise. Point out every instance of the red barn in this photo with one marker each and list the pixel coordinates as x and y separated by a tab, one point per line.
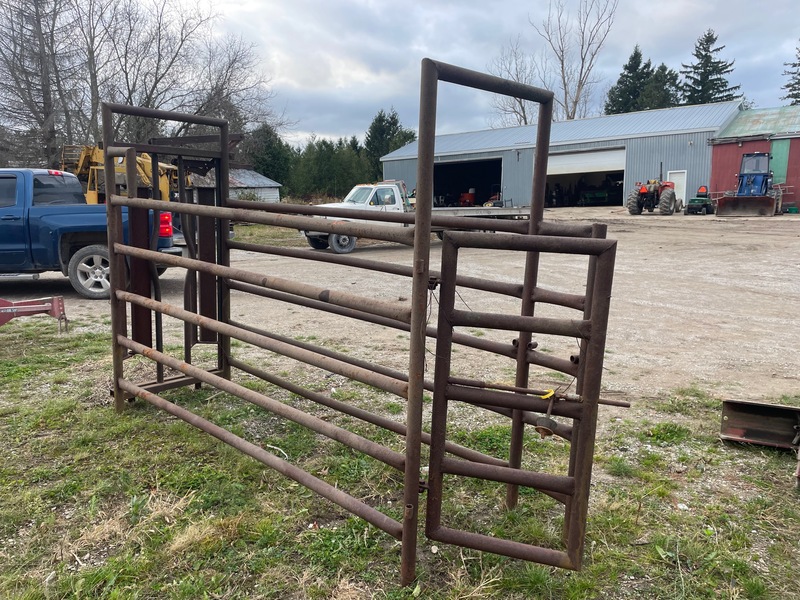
773	130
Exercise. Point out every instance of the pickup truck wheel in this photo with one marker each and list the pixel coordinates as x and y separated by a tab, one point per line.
342	244
317	243
89	272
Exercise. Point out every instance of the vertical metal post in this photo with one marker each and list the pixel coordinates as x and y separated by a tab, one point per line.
530	282
419	304
223	252
444	350
118	267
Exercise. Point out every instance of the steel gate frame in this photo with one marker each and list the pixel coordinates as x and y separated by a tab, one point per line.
206	314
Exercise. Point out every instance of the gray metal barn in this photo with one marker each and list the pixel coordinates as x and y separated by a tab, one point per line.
592	161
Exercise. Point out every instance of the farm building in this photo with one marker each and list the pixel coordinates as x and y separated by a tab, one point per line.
773	130
592	161
244	184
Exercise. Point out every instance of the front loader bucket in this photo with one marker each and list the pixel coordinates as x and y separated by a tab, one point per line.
746	206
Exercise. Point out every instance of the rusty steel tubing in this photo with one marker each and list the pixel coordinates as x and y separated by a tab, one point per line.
570	410
401	235
462	339
367	376
348	438
487	285
164	115
399	375
531	243
559	484
545	296
548	361
386	309
324	489
510	548
576	230
573	328
361	414
468	223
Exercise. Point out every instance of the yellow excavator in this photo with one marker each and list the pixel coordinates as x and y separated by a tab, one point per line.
87	163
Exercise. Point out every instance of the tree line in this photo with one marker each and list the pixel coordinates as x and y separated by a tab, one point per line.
323	167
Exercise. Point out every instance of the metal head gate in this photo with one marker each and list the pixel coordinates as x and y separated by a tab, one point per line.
212	285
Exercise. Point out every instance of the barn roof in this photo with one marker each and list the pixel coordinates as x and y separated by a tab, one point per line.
681	119
763	122
237	178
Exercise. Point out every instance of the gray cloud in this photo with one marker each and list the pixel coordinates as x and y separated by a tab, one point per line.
334	64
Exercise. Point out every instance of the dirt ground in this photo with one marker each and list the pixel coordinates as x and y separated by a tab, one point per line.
697	300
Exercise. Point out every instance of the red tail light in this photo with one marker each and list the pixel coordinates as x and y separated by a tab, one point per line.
165	225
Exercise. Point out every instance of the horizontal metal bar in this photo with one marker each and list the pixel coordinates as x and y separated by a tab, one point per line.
560	484
488	83
164	115
573	328
476	283
532	243
348	438
438	221
462	339
504	547
401	235
556	228
575	301
324	489
392	310
361	414
367	376
570	410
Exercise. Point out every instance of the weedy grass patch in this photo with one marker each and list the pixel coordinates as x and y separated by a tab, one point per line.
95	504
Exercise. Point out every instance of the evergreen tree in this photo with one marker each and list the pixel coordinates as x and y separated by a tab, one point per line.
792	87
704	80
662	89
623	97
384	135
268	153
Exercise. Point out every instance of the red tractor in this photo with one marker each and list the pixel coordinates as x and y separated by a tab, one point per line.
654	193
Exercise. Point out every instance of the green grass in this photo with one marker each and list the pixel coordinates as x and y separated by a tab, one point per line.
95	504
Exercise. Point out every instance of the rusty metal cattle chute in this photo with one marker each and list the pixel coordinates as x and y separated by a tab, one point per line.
212	285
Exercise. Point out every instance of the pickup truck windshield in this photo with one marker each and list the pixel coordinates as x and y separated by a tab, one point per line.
359	195
57	189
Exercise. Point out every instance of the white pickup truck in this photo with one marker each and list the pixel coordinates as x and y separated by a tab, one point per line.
391	196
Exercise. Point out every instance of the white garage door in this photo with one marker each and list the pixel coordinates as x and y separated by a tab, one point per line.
586	162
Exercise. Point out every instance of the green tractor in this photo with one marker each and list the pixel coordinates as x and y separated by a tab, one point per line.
701	204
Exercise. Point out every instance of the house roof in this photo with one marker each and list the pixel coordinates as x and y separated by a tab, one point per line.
763	122
681	119
237	178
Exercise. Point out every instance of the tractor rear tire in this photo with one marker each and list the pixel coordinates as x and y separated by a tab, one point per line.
633	205
666	204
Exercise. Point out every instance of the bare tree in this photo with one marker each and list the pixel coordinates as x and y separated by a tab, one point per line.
575	44
62	58
94	24
228	83
516	65
36	66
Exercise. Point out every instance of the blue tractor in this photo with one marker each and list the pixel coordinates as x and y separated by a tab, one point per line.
755	196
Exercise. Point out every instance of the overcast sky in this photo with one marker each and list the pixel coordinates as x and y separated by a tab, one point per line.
334	64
